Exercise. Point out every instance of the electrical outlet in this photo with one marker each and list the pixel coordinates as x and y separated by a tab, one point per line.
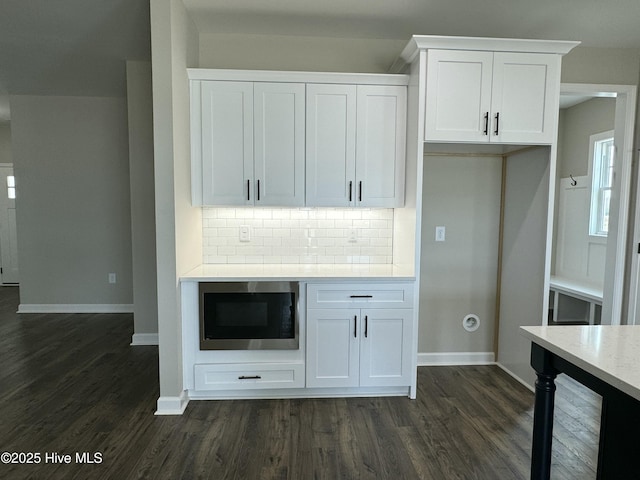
245	233
440	234
353	235
112	278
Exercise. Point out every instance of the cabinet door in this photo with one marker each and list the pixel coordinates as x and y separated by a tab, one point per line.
279	132
331	145
458	96
525	97
380	144
385	347
333	342
227	143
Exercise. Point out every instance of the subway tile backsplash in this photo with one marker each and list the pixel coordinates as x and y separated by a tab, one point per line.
305	235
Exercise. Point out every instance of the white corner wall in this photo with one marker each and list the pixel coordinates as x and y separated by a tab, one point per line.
178	225
73	213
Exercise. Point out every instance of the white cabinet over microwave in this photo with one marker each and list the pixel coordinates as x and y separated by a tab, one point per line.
248	143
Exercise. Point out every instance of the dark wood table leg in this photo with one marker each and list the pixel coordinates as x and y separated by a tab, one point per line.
541	361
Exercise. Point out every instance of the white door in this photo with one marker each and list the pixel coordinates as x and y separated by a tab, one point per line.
227	143
333	344
380	145
331	145
458	97
8	236
279	130
385	347
525	96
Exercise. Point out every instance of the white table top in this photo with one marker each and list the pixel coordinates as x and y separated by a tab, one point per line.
298	272
609	352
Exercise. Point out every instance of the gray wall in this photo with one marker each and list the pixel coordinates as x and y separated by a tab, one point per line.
73	216
6	155
459	275
578	123
143	225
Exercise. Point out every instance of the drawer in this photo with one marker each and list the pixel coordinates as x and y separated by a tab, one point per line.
360	295
248	376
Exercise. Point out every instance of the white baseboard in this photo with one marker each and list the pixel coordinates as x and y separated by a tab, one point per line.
456	358
172	405
144	339
75	308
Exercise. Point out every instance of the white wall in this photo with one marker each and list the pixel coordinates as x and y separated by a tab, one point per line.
178	225
143	227
459	275
6	156
73	213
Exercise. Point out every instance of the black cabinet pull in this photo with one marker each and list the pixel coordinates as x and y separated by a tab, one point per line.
360	191
355	326
350	191
366	326
251	377
248	190
486	123
258	197
497	122
361	296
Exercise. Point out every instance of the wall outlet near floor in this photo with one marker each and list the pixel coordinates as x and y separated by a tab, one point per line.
112	278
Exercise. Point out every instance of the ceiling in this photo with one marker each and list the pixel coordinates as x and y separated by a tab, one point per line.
78	47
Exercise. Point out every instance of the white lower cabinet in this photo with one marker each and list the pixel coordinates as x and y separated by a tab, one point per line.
358	347
248	376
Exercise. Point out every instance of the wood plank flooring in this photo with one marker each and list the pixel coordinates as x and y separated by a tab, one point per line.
72	383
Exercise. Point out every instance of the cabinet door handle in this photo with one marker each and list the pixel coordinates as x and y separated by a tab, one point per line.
251	377
248	190
361	296
497	123
366	326
258	197
486	124
359	191
350	191
355	326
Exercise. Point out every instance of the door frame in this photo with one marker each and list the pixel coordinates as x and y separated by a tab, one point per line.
614	284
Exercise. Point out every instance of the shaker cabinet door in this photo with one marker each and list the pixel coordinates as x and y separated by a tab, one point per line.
227	143
331	145
458	96
525	95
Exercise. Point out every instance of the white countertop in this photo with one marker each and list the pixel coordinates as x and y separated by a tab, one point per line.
299	272
609	352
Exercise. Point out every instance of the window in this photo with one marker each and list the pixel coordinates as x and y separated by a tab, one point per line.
11	187
601	167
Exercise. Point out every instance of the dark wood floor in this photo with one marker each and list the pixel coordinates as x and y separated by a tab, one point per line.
72	384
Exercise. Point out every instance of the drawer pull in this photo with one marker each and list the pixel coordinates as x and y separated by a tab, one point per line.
361	296
253	377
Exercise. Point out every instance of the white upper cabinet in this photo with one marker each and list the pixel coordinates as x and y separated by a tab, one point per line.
279	126
248	143
355	145
226	146
499	97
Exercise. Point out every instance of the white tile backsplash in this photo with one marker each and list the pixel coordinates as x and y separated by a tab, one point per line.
304	235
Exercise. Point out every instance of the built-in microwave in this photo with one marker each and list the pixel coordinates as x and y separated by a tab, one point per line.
249	315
